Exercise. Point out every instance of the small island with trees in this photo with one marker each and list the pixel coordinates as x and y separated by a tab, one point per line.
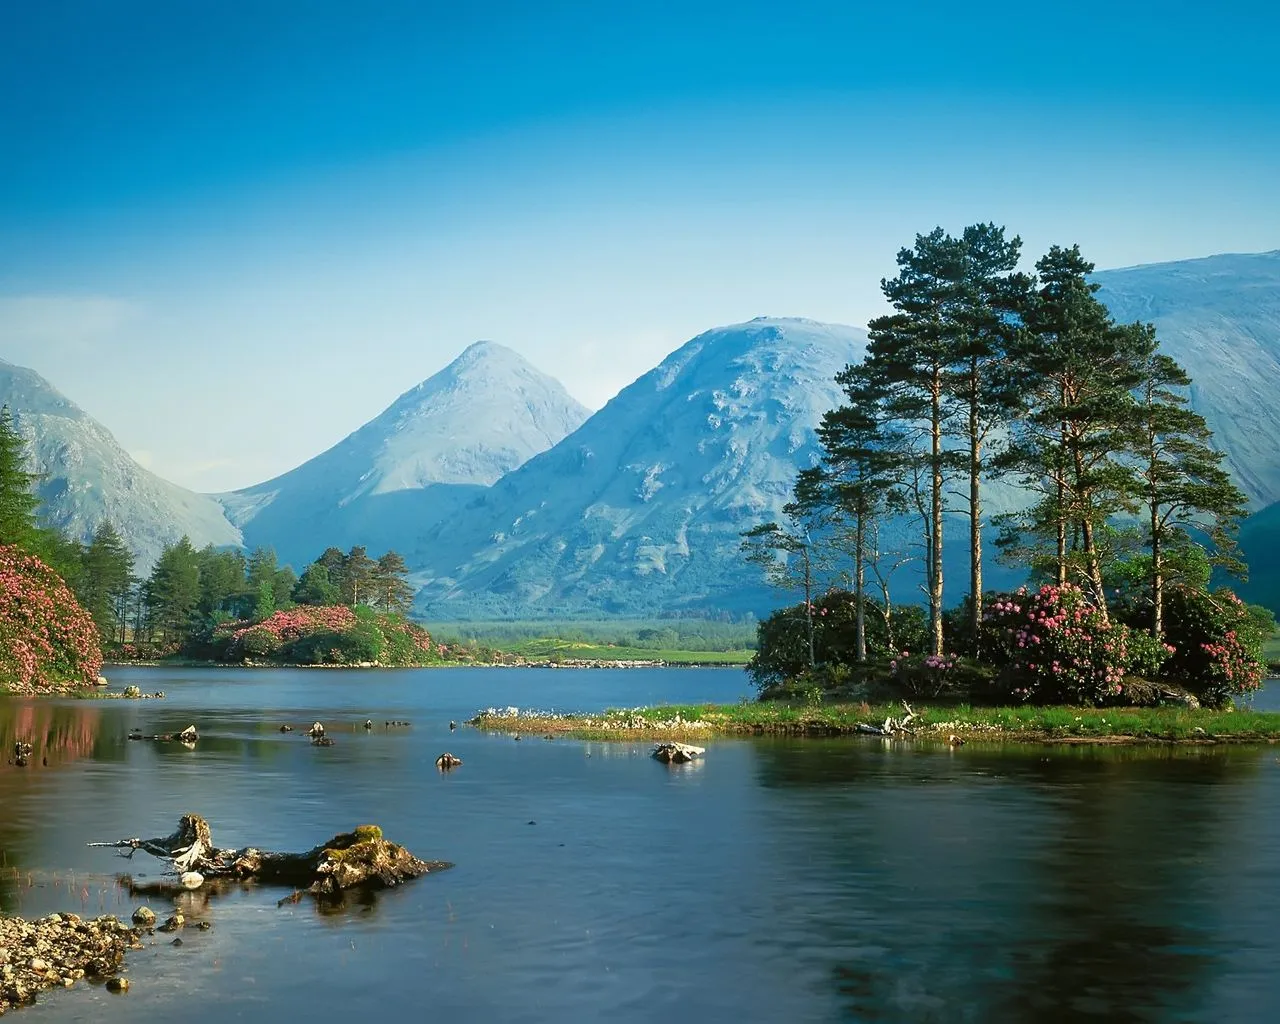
1114	507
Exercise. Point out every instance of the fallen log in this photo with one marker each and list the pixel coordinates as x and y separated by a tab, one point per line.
892	726
360	858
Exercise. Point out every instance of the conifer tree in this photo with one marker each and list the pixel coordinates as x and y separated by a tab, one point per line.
315	587
1078	370
173	592
910	353
390	585
105	579
1180	477
18	500
357	575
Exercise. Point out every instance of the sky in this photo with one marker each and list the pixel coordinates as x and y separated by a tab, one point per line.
235	232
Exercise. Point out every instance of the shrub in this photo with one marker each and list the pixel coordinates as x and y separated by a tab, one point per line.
47	640
782	650
1054	646
1215	643
258	642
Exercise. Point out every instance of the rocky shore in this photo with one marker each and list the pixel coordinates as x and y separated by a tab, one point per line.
59	950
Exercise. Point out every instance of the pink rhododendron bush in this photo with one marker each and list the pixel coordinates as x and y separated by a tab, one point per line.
1054	647
1215	643
48	642
327	635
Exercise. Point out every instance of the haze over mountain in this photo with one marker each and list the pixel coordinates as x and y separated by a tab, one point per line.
641	509
484	414
88	477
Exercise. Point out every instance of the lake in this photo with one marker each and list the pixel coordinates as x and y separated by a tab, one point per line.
779	880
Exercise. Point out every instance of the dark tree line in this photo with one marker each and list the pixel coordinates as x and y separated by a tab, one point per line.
982	373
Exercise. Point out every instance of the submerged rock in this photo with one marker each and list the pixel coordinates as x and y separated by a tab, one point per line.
677	753
447	762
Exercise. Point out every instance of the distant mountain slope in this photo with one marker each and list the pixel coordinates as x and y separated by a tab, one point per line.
89	477
487	412
1220	318
640	510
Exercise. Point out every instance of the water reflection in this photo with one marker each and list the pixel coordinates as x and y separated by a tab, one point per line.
1013	884
57	732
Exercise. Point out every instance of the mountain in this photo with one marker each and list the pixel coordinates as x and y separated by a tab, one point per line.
88	477
1220	318
640	510
457	432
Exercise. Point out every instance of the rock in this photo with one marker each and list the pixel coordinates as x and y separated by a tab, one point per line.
189	734
191	879
133	691
286	728
677	753
102	681
173	923
39	966
316	731
144	916
176	942
368	724
955	740
321	741
118	985
447	762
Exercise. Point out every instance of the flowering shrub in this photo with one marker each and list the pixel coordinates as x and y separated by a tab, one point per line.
328	635
47	640
1215	643
1054	646
926	676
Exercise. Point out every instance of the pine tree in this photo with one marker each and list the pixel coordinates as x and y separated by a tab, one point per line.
858	481
315	587
1078	370
173	592
985	320
1180	478
910	353
788	555
357	576
105	579
390	586
18	500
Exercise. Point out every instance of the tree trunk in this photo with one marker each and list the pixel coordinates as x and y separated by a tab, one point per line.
808	601
975	522
1095	570
859	588
935	570
1061	511
348	860
1157	575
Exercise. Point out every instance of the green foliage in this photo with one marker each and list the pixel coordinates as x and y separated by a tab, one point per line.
18	501
782	644
105	580
1054	646
315	587
260	642
1217	643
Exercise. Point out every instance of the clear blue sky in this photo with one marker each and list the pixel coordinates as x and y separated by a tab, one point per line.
234	232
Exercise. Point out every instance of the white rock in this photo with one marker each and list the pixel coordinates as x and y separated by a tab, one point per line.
191	880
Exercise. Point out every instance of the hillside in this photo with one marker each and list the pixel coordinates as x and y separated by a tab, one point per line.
640	510
1220	318
438	444
87	476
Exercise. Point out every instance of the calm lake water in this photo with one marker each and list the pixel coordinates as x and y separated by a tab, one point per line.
780	880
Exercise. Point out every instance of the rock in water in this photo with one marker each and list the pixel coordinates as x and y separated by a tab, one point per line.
189	734
677	753
144	916
316	731
446	762
191	880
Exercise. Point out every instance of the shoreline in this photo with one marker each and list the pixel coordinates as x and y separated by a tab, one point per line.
59	950
954	725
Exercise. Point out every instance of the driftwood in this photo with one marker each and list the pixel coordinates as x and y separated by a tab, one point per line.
892	726
677	753
351	859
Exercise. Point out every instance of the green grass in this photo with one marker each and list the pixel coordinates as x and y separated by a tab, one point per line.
549	649
1271	650
1036	724
651	635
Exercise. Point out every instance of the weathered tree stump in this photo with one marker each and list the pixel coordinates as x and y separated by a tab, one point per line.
360	858
677	753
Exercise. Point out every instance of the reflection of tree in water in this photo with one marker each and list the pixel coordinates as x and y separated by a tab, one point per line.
1037	885
56	732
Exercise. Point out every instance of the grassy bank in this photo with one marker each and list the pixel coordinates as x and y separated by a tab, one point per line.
1030	724
550	649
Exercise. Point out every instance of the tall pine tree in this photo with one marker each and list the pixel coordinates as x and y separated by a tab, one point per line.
18	500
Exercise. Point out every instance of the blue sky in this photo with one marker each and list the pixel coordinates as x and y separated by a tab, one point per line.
236	232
